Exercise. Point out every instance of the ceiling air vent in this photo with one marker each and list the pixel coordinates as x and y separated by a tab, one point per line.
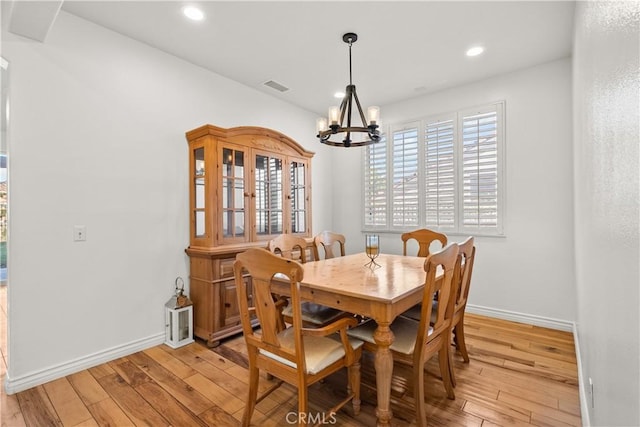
275	85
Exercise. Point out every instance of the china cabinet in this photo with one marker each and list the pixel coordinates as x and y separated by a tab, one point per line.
247	185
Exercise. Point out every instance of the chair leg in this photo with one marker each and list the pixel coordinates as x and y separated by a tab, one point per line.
303	403
459	331
254	377
418	391
443	357
354	386
452	373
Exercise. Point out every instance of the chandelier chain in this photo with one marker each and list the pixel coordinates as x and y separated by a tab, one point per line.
350	68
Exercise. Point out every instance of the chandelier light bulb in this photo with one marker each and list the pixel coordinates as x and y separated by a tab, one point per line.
321	124
334	115
374	115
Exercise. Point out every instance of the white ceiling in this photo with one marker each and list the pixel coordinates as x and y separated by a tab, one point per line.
405	49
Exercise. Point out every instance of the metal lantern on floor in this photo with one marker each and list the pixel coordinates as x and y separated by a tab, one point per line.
178	318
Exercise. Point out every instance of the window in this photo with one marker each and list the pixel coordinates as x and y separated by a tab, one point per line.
375	184
404	175
442	173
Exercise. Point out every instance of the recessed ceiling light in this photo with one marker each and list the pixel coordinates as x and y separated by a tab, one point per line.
475	51
193	13
338	95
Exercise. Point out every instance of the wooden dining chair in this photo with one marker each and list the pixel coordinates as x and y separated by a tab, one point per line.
468	253
313	314
293	354
424	237
290	247
417	341
329	242
462	284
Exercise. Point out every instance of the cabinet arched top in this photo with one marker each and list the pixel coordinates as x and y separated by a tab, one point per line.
254	136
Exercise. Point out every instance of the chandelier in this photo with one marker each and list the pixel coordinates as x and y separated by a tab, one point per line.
336	126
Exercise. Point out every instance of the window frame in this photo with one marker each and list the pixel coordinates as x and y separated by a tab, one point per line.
459	228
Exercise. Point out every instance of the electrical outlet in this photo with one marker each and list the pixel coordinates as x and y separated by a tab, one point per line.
79	233
593	399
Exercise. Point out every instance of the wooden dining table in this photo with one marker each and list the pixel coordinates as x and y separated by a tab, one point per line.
381	293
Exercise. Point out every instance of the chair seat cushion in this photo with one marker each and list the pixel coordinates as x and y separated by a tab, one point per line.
315	314
405	332
415	312
320	352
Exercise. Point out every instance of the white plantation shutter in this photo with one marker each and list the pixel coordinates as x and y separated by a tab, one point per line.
375	185
480	168
404	172
440	174
444	173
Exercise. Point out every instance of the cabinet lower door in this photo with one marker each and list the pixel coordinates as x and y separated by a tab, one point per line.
230	313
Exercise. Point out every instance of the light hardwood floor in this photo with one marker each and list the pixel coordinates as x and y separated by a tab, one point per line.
518	375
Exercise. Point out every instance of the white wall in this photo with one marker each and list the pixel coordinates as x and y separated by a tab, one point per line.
97	139
530	271
606	123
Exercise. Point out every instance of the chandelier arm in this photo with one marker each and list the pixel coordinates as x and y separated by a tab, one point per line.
324	135
352	144
364	120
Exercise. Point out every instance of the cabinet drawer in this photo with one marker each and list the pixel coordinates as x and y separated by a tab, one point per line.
226	268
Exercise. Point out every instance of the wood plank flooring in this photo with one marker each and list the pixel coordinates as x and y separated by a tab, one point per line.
519	375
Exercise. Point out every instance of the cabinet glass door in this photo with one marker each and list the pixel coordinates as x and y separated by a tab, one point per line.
299	197
233	192
199	193
268	196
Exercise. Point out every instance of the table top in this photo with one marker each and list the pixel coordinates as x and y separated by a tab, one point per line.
397	276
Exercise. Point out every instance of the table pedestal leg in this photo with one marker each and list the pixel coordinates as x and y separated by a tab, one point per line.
384	371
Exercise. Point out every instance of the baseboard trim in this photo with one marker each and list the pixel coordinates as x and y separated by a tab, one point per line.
584	400
24	382
530	319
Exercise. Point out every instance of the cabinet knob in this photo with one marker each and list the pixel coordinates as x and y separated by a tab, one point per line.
226	304
246	194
